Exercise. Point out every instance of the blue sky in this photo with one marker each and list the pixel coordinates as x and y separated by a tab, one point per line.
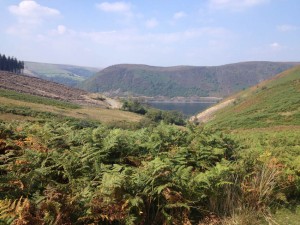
154	32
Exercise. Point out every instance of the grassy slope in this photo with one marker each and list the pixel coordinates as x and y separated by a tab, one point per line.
266	119
274	102
182	80
65	74
36	99
13	101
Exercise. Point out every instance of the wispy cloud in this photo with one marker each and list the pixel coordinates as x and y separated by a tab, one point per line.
116	7
287	27
235	5
152	23
179	15
131	36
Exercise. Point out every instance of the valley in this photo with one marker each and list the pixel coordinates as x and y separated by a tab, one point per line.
150	112
69	75
236	161
181	81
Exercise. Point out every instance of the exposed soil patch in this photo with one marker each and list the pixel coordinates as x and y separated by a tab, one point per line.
40	87
208	114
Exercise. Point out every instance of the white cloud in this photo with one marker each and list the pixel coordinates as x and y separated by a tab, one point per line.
179	15
286	28
29	11
30	15
61	29
152	23
235	5
275	45
117	7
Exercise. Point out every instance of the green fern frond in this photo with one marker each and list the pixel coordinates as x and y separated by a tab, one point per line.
10	209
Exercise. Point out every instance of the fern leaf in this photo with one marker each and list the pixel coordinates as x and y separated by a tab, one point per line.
10	209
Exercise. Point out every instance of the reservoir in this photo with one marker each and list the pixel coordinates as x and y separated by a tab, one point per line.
187	108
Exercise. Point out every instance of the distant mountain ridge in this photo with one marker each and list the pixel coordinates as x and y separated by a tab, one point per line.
186	81
65	74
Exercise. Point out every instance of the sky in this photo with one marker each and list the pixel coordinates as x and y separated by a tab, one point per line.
154	32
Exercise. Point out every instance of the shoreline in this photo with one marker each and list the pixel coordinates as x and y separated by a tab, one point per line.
181	102
175	100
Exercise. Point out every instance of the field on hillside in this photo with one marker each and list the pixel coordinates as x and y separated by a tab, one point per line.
64	74
18	86
272	103
14	103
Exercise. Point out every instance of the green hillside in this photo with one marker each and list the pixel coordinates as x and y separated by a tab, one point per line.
184	81
265	120
22	106
64	74
275	102
62	163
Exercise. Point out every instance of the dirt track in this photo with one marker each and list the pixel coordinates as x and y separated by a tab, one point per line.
208	114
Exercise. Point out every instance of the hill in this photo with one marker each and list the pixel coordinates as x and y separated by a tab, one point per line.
24	97
60	165
40	87
265	120
275	102
218	81
64	74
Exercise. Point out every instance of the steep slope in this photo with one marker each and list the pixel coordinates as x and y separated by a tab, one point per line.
29	98
184	81
275	102
40	87
64	74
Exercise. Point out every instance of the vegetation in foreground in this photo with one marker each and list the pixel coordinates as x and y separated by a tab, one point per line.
66	172
265	118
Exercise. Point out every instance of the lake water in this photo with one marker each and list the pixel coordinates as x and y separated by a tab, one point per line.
188	109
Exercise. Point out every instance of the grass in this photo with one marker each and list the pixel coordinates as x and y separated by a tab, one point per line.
37	99
288	216
282	143
281	140
12	107
272	103
265	120
12	117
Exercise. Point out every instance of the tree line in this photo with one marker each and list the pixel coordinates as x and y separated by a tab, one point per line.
11	64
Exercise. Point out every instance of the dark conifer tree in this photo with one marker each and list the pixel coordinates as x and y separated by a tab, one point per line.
11	64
